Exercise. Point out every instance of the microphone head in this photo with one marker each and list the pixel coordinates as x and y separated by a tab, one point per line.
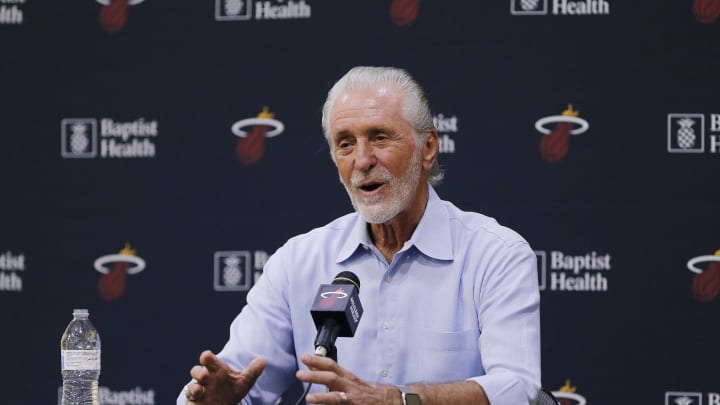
347	277
339	301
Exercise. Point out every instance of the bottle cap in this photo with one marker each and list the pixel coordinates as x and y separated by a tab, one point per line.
80	312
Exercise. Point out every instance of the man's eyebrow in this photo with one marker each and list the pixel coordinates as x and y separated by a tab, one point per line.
341	134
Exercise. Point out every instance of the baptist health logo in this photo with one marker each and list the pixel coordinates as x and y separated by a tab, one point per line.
447	127
11	12
243	10
691	398
686	133
135	396
585	272
83	138
12	266
559	7
238	270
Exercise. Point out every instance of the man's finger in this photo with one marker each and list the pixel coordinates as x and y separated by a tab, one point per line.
195	391
319	363
255	368
209	360
326	378
199	373
325	398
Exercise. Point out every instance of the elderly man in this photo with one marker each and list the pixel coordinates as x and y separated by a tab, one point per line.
451	298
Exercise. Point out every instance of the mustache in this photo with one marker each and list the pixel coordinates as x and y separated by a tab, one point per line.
379	175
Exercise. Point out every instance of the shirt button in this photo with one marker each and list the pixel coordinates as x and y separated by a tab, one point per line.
385	373
388	278
386	325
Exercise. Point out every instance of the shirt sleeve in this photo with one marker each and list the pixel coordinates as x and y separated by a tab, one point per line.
263	328
509	317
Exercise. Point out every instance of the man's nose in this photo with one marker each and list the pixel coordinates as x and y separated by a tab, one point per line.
364	156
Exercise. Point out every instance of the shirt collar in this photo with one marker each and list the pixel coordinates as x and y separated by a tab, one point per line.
431	237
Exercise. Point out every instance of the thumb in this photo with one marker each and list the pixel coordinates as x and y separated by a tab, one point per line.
255	368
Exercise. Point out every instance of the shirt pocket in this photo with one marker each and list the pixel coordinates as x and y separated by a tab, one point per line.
449	356
449	341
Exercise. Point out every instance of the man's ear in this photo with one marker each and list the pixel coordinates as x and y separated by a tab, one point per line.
430	150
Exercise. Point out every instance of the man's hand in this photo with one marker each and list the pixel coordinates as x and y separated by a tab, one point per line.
218	384
345	387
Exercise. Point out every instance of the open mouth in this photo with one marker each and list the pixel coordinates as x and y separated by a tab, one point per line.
369	187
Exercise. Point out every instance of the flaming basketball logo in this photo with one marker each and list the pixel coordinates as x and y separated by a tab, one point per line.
113	281
555	144
404	12
706	283
330	297
251	145
566	395
114	13
706	11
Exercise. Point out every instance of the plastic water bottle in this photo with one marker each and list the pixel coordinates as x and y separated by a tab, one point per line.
80	361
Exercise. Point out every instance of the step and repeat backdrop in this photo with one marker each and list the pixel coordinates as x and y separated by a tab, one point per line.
154	154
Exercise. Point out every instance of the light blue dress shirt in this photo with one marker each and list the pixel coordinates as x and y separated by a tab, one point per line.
459	301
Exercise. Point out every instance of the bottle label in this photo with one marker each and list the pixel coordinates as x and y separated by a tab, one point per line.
80	359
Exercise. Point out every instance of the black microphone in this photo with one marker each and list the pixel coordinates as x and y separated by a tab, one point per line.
336	312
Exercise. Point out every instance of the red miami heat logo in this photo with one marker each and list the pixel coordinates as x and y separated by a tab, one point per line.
555	144
113	281
404	12
329	298
114	13
706	11
251	145
706	283
567	395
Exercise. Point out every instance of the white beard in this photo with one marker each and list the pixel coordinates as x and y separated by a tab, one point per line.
398	194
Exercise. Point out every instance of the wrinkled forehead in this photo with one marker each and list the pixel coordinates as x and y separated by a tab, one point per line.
382	100
385	93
